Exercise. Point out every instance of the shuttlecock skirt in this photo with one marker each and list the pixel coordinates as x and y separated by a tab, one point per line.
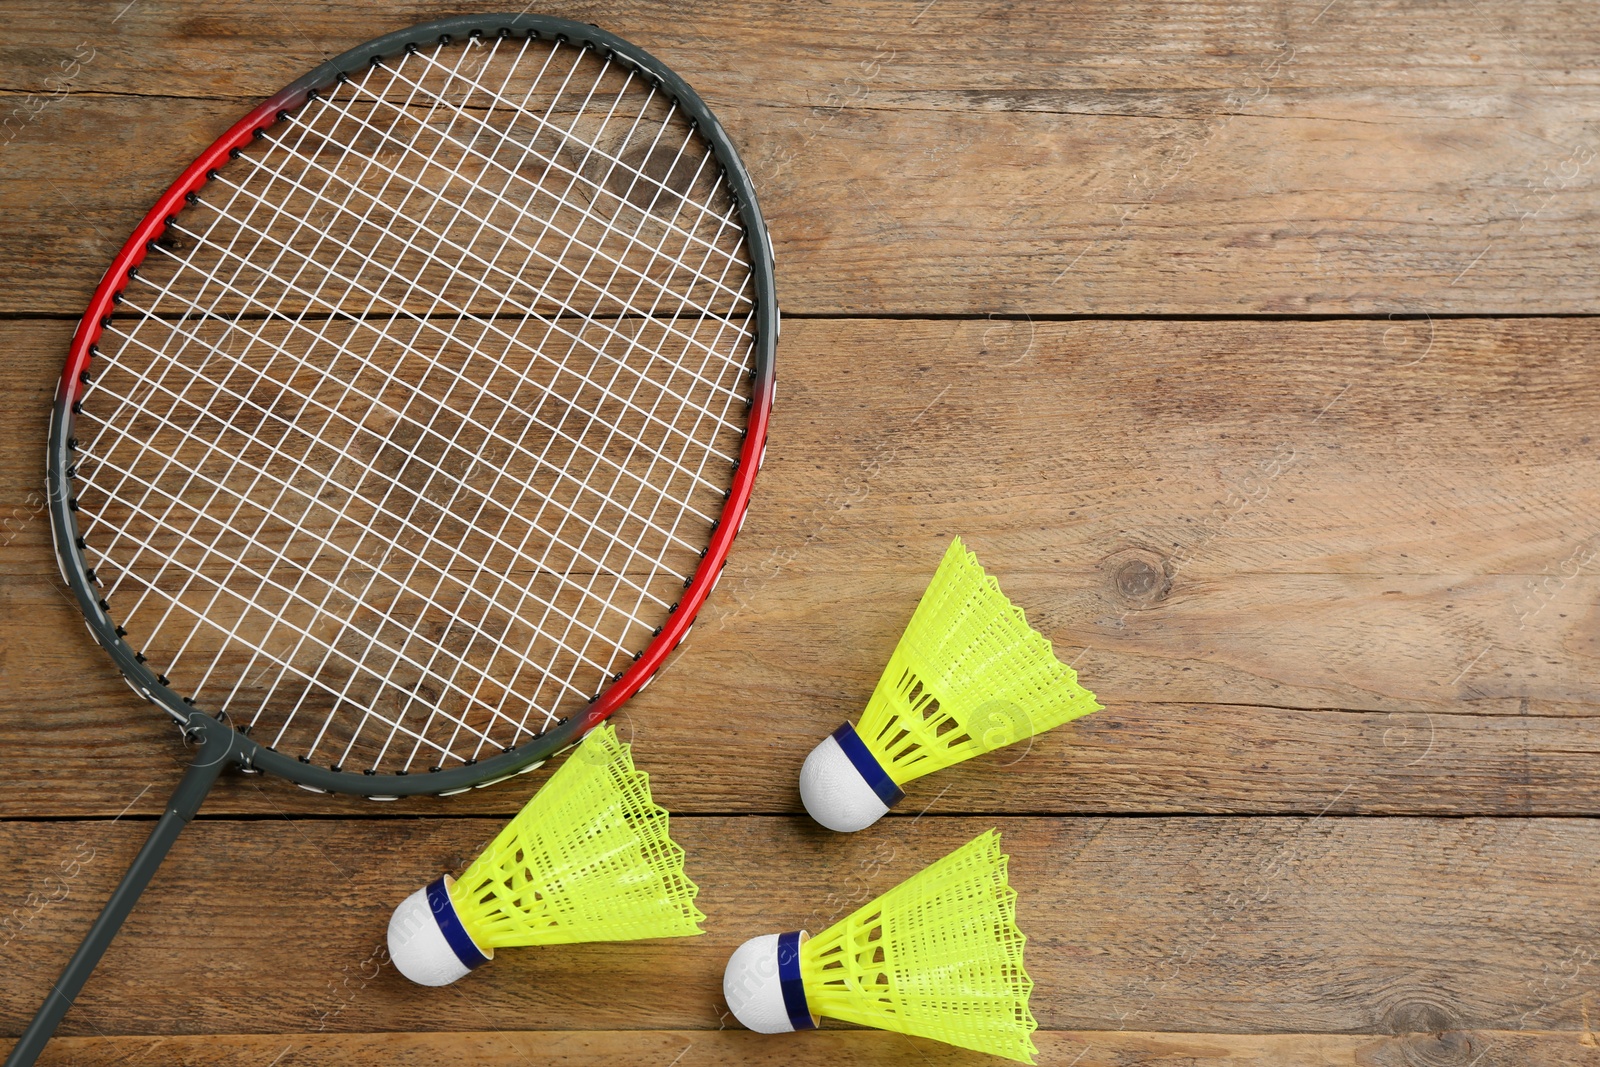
968	676
589	858
937	956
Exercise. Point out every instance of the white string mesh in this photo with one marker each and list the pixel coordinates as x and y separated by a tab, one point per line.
409	433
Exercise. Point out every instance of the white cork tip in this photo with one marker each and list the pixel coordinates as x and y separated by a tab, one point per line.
418	946
834	792
751	987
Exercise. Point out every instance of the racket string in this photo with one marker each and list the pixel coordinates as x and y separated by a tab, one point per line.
217	220
164	566
579	660
597	573
387	616
287	485
613	161
513	279
535	523
447	338
569	682
474	663
505	297
290	593
663	605
549	670
632	503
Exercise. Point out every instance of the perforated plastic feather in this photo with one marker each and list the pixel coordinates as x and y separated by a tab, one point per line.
588	859
938	956
969	676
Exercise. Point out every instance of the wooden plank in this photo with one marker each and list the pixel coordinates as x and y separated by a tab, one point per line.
603	1048
1369	157
1260	925
1315	569
1260	543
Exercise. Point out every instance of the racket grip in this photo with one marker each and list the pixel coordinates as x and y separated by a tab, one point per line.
186	800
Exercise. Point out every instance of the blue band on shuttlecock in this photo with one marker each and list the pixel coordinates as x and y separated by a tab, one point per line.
867	764
794	990
455	935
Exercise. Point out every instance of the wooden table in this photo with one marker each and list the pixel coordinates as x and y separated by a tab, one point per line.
1248	344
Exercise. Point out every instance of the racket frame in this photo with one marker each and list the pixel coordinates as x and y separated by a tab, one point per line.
215	732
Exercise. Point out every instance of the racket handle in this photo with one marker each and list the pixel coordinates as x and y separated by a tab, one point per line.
186	799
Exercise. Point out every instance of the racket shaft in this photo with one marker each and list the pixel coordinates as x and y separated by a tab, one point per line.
186	800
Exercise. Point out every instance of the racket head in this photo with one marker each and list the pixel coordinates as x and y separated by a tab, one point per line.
451	772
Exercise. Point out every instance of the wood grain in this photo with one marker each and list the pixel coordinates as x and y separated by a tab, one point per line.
1258	562
1323	539
1211	157
1265	925
1079	1048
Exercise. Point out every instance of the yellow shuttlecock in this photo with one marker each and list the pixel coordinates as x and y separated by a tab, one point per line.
588	859
969	676
938	956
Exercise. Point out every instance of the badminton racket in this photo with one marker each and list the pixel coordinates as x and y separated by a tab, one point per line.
412	426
